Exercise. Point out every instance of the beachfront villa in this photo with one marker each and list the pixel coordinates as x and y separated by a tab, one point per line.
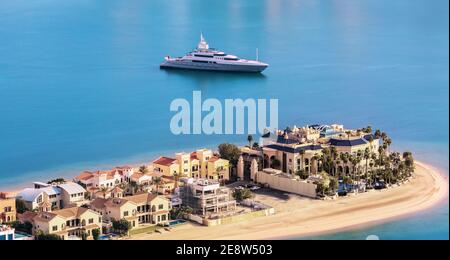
296	149
7	208
199	164
140	210
206	197
69	223
48	197
105	179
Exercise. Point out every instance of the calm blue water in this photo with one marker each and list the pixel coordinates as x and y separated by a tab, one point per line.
81	88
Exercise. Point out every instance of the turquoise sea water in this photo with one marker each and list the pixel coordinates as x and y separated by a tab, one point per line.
80	85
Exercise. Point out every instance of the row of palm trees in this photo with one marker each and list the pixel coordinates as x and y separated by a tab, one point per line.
367	164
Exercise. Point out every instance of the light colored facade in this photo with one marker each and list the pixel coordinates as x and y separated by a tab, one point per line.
278	180
206	197
53	197
7	209
199	164
166	166
105	179
299	148
72	194
68	223
151	208
140	210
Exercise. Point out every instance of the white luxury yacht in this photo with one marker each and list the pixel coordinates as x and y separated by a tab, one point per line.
205	58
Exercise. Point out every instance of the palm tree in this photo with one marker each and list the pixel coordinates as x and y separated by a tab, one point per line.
143	169
377	134
157	181
104	190
366	157
333	153
250	140
133	186
176	177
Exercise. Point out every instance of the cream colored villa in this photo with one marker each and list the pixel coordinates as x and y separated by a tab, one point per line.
299	148
139	210
68	223
105	179
7	208
53	196
199	164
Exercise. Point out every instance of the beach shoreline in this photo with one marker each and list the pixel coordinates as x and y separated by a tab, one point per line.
300	218
395	203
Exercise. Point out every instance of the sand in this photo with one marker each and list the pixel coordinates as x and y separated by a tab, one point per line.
296	216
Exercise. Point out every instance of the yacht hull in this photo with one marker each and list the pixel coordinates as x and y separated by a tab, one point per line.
255	68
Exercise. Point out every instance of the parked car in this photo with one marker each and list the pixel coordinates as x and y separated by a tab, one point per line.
379	185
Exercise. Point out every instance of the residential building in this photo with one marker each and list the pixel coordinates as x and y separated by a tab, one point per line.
206	197
116	209
297	149
151	208
6	233
140	210
105	179
199	164
7	208
69	223
166	166
49	197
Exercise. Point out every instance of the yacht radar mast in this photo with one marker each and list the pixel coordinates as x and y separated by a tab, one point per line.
202	45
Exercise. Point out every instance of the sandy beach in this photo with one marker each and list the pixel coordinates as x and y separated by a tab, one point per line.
296	216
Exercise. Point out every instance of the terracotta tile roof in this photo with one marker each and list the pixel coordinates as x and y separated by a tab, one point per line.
136	176
116	189
44	216
116	202
125	167
141	198
214	158
194	156
27	216
70	212
99	203
165	161
84	176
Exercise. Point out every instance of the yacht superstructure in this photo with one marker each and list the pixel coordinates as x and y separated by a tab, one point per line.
205	58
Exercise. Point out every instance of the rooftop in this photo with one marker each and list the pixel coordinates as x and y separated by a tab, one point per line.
166	161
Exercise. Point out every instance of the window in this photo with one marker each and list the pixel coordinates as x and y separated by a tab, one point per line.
186	161
163	217
125	214
200	61
91	221
202	55
55	228
161	206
